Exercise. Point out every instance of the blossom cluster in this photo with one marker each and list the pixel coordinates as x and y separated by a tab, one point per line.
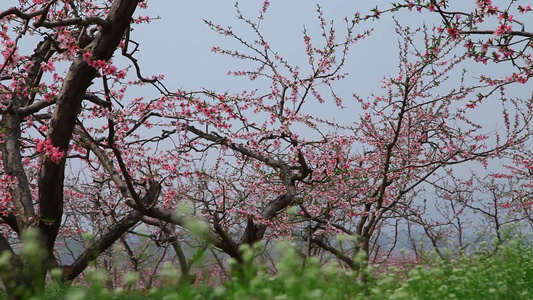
45	148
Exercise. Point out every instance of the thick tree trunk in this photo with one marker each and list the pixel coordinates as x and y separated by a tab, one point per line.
67	108
51	175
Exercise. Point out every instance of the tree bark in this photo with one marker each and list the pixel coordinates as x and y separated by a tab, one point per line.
80	75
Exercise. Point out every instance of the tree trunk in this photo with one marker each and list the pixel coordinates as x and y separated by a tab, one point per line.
22	277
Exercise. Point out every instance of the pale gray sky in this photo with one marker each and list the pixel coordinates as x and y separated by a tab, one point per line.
181	41
178	44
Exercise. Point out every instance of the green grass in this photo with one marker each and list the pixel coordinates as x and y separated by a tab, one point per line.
505	274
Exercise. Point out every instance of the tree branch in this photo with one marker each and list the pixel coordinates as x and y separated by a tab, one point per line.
67	108
109	238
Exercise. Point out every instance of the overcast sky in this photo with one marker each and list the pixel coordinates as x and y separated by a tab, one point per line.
180	39
177	43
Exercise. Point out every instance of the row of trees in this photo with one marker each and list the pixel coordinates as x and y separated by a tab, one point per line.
218	170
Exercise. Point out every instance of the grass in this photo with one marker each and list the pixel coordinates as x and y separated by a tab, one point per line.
505	274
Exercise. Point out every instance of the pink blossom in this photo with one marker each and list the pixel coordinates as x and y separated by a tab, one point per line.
453	32
87	55
502	29
48	66
47	149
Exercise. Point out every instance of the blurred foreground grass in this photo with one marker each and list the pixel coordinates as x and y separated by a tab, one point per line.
506	273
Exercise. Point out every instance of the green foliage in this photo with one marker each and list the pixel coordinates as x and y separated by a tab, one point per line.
17	278
506	273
